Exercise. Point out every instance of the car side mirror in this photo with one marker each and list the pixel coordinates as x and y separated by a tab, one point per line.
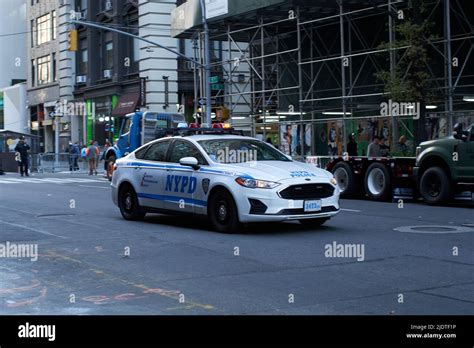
190	162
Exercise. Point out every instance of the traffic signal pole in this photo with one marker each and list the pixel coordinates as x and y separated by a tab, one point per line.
207	51
103	27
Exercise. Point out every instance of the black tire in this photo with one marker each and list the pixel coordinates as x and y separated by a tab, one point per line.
128	204
313	222
435	186
378	182
345	179
223	213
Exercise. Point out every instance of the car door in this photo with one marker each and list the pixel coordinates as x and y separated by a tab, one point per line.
181	182
466	157
152	173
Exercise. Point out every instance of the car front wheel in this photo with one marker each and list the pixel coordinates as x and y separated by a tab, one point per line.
223	212
435	186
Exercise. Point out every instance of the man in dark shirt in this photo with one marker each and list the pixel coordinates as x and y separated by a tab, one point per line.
22	148
352	146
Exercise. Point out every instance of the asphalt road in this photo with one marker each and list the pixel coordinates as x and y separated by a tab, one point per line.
180	266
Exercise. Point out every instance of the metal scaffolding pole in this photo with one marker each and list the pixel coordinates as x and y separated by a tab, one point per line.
343	75
300	81
207	66
263	102
449	63
391	38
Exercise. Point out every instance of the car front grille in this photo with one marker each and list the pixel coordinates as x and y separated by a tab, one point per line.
307	191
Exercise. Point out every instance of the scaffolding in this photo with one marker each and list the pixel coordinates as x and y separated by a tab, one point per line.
314	62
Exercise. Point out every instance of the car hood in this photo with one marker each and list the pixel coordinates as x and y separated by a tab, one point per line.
275	170
450	141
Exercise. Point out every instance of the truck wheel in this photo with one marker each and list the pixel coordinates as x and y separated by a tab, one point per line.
313	222
128	204
377	182
435	186
345	179
223	212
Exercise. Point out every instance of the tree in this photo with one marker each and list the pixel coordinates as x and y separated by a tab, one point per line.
410	81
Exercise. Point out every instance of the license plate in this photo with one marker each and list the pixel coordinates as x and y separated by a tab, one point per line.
312	206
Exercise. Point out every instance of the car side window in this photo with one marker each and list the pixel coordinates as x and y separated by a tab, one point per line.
185	149
140	154
157	152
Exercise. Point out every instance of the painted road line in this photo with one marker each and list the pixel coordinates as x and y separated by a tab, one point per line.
352	210
100	187
33	229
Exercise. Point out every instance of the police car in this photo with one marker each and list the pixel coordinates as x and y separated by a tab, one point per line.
230	178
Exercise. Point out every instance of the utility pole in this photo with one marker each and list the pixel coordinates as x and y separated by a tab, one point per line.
207	64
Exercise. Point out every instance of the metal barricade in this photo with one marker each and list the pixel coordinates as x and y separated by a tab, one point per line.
63	162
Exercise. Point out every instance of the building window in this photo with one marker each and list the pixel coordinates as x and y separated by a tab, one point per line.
109	51
43	29
33	73
54	23
44	70
83	57
54	67
33	33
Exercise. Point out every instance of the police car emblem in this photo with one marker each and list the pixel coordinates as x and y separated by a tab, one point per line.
205	185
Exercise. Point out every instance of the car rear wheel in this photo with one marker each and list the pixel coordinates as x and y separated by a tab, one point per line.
223	212
313	222
435	186
345	179
128	204
378	183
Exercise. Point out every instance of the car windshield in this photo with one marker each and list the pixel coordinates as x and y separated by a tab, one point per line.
240	151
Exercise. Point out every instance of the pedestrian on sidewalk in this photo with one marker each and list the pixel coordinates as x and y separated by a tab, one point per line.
92	154
73	151
22	148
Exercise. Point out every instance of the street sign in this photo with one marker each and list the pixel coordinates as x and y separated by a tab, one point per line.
214	79
202	102
217	86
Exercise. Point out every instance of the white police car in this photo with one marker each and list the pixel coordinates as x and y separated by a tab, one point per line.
232	179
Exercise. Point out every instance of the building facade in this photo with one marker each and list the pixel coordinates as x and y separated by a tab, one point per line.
14	59
43	78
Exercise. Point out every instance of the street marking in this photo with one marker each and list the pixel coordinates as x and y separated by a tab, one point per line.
352	210
59	181
101	187
33	229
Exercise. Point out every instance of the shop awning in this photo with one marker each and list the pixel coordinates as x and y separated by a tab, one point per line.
126	104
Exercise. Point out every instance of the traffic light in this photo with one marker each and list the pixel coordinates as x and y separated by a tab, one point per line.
72	40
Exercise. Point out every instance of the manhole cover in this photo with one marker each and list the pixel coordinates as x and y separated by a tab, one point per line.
434	229
53	215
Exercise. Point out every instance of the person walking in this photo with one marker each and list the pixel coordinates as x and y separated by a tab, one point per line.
373	149
92	154
73	151
384	148
22	148
352	146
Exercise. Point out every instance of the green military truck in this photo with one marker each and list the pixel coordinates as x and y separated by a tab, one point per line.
442	169
445	167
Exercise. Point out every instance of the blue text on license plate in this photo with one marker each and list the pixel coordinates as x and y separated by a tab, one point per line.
312	206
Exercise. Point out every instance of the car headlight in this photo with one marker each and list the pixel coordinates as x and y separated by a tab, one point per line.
253	183
334	181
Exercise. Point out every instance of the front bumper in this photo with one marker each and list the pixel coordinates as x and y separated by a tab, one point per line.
257	205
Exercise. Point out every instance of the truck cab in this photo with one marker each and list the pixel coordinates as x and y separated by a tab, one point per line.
446	166
139	128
